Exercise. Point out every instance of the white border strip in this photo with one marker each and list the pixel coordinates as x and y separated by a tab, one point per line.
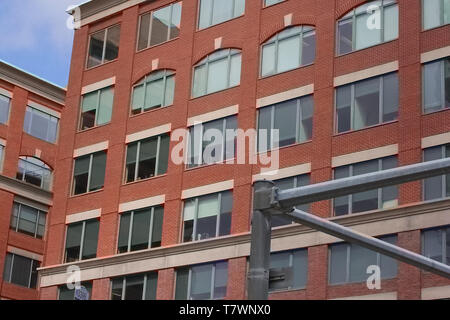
210	116
435	54
435	293
98	85
3	142
30	203
284	172
91	149
83	216
5	93
25	253
376	296
366	73
142	203
148	133
436	140
286	95
365	155
44	109
208	189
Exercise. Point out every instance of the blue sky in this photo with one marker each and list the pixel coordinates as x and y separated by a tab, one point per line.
35	37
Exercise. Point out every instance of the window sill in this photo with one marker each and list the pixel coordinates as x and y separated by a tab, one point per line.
52	143
93	128
362	49
224	162
86	194
101	65
365	128
30	184
156	45
284	72
149	111
212	93
217	24
145	180
434	28
285	147
289	290
434	112
273	5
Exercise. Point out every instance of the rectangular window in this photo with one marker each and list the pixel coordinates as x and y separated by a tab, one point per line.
436	244
348	262
135	287
202	282
435	13
81	240
436	85
367	103
5	103
140	229
96	108
289	183
213	12
159	26
288	270
28	220
41	125
21	271
436	187
212	142
89	173
293	119
147	158
64	293
368	200
207	216
103	46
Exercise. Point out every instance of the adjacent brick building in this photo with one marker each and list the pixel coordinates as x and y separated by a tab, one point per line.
351	90
30	110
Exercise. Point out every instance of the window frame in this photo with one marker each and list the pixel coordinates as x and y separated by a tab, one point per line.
44	167
150	25
352	15
274	40
146	277
445	230
144	82
442	64
206	61
103	62
441	16
196	211
86	284
379	190
2	156
130	229
82	239
291	265
349	259
91	159
30	276
270	5
97	108
6	123
211	14
444	186
32	111
38	215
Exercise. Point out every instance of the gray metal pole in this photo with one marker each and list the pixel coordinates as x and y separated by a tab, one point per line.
368	242
258	277
341	187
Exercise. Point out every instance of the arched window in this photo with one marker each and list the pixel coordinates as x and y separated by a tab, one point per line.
370	24
290	49
156	90
34	171
218	71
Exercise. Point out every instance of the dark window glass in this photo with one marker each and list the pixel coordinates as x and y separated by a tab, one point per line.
28	220
81	240
69	294
89	173
20	271
103	46
182	284
4	108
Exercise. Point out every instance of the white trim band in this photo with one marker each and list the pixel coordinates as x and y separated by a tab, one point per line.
435	293
148	133
208	189
284	172
44	109
91	149
214	115
5	93
98	85
435	54
25	253
142	203
436	140
286	95
83	216
366	73
365	155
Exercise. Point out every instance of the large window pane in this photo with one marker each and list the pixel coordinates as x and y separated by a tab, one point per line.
361	258
217	76
433	186
343	108
223	11
309	48
220	280
41	125
288	54
112	43
90	239
432	244
285	122
367	103
366	37
96	45
432	86
268	59
21	271
4	109
201	282
144	29
338	263
98	171
160	26
431	13
134	287
105	106
73	242
345	36
208	211
390	23
390	97
124	232
213	12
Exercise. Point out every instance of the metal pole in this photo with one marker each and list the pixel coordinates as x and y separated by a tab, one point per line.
341	187
371	243
258	277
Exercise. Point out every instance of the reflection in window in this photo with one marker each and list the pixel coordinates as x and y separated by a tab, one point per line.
290	49
435	13
202	282
437	187
213	12
348	262
386	197
154	91
103	46
207	216
358	30
135	287
96	109
34	171
140	229
293	119
271	2
436	85
28	220
218	71
81	240
159	26
367	103
41	125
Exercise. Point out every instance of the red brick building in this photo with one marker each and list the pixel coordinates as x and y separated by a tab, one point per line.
352	89
30	109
